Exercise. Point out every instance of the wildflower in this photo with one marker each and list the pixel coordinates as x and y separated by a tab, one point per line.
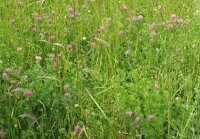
70	10
12	21
137	18
153	34
84	38
4	75
66	87
38	18
76	105
33	29
125	8
77	129
127	52
52	56
38	58
69	46
52	37
129	113
8	70
74	15
179	21
19	49
152	26
28	93
140	17
170	25
108	19
137	120
100	28
67	95
173	16
159	7
150	117
53	12
163	23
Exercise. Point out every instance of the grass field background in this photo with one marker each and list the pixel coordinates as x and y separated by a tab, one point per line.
112	69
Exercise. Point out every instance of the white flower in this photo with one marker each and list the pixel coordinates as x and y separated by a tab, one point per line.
76	105
39	58
84	38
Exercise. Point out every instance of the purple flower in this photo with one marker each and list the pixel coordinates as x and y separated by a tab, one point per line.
38	18
179	21
66	87
140	17
70	10
28	93
170	25
8	70
67	95
137	120
152	26
4	75
153	34
73	16
33	29
129	113
69	46
150	117
100	28
137	18
52	37
77	129
12	21
52	56
173	16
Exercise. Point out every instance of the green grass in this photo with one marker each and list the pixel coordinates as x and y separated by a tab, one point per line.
108	73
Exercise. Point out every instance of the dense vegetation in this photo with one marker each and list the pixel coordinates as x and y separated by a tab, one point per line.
99	69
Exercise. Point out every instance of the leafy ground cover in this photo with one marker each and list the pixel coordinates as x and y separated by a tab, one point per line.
99	69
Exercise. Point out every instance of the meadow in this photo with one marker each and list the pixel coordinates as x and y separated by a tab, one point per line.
99	69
